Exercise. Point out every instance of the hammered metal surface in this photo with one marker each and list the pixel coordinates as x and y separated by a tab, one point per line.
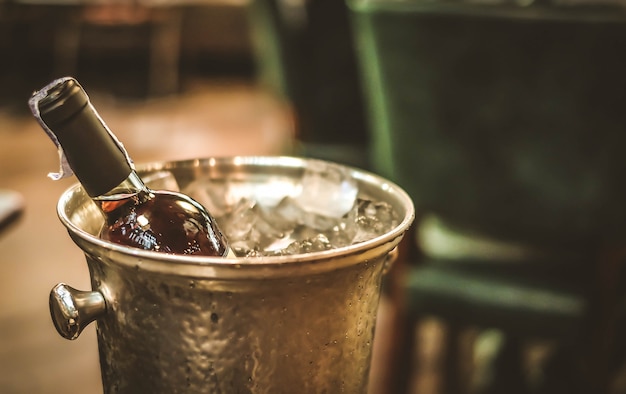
170	335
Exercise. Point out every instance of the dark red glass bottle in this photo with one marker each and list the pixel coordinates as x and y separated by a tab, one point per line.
136	216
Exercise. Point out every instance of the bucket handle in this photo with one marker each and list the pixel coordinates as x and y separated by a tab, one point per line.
72	310
390	258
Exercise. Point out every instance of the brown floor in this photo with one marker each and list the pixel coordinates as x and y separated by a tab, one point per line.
213	118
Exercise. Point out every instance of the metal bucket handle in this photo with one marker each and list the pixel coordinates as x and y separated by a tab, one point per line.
72	310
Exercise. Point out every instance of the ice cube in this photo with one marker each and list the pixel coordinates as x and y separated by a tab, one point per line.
239	221
265	233
328	190
374	219
212	194
246	227
317	243
345	229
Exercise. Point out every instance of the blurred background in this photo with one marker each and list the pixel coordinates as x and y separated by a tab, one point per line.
502	119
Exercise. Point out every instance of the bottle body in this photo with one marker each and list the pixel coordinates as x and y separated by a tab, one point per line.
134	215
159	220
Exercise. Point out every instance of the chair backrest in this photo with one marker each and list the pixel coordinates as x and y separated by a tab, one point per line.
305	52
500	120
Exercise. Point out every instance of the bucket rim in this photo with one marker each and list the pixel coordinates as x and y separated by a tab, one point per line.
204	266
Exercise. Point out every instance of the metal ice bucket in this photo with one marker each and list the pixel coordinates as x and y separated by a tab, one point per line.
286	324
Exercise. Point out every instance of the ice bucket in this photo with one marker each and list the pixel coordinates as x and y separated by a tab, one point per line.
181	324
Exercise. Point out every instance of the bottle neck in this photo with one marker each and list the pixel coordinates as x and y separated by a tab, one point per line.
130	187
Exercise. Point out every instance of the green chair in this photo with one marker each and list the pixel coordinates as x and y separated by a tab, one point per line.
305	53
504	122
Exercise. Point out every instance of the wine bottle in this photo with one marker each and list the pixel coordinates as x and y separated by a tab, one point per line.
134	215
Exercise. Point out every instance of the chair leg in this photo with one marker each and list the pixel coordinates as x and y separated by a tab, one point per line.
562	373
600	326
501	368
450	375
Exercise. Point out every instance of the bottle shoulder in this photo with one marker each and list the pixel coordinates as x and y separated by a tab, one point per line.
164	221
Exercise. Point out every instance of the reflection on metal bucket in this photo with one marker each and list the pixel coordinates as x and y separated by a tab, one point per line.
287	324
